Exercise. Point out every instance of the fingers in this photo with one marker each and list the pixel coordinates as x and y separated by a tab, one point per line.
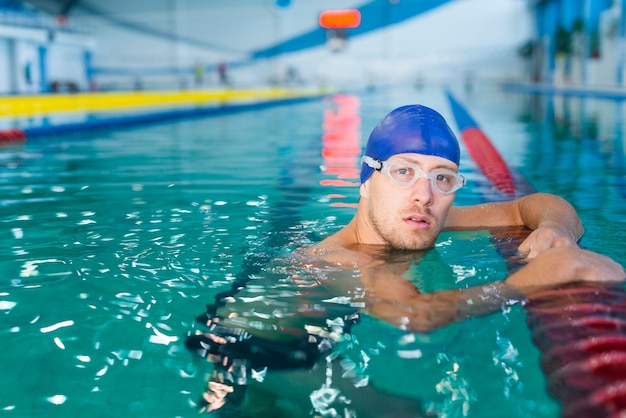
558	266
543	239
590	266
206	345
220	389
216	395
533	251
601	268
534	245
216	338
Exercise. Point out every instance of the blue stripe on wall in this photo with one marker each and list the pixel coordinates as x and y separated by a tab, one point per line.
375	15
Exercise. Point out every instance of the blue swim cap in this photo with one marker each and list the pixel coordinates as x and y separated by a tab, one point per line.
411	129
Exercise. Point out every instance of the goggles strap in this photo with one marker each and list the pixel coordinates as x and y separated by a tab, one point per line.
372	162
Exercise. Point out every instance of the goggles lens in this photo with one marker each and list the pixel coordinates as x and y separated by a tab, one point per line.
404	174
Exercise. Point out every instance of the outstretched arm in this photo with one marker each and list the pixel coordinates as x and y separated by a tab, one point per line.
397	304
553	220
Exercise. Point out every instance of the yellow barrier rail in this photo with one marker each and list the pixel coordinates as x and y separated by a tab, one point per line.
109	101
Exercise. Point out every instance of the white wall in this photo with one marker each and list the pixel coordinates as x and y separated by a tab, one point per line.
479	36
26	55
5	68
63	61
449	42
19	48
66	63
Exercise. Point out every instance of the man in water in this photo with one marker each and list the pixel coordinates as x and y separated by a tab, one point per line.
409	177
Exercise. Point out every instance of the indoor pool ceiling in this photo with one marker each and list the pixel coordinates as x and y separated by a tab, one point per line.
221	26
243	27
55	7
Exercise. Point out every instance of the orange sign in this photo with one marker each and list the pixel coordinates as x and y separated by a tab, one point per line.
336	19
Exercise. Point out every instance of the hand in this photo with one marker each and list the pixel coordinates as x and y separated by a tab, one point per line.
218	389
208	344
546	237
557	266
227	385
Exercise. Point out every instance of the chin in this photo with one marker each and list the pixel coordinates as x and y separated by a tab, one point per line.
413	245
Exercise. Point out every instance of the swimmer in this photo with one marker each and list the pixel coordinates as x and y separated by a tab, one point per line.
409	177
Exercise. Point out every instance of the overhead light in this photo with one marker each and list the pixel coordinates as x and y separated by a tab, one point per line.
336	19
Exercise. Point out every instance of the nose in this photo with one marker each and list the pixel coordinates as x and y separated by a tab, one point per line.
422	191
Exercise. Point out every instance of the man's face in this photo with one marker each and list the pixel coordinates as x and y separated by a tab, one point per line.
406	218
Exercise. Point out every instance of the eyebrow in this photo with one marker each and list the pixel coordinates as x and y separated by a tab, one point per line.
419	164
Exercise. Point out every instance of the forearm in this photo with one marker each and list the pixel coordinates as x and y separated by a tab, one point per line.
552	268
487	298
534	211
427	312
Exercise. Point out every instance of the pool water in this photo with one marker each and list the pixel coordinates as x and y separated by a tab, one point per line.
115	241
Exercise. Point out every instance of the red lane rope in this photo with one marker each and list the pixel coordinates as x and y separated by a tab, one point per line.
581	332
608	401
488	159
12	136
481	150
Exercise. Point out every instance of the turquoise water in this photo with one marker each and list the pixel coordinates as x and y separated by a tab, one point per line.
115	241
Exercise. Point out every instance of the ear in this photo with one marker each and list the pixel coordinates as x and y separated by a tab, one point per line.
364	189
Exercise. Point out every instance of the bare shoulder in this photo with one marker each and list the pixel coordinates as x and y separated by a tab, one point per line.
331	250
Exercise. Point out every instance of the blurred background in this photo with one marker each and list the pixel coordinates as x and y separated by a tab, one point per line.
90	45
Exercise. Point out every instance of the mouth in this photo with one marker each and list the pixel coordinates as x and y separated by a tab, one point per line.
419	222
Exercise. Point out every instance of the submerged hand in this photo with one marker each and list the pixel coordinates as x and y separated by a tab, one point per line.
544	238
557	266
226	387
215	396
209	344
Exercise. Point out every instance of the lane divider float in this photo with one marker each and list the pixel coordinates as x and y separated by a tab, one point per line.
12	136
579	329
581	332
481	150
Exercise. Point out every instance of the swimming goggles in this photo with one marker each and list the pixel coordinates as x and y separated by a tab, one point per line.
404	174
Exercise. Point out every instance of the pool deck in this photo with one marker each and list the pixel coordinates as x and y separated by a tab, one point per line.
115	109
